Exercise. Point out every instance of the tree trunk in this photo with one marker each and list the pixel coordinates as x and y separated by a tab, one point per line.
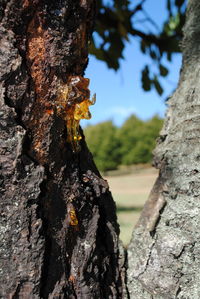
59	235
164	254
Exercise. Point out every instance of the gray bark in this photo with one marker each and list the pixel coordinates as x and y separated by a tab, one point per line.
164	253
45	252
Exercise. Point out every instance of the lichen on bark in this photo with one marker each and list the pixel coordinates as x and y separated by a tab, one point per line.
164	263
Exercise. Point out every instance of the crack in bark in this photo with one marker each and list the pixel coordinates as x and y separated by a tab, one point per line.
160	206
125	275
47	243
147	261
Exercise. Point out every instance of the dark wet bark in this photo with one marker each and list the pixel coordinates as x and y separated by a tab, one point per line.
59	235
164	254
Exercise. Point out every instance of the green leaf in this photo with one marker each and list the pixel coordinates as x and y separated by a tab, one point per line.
169	56
116	22
122	31
163	70
179	3
153	54
143	46
169	7
157	86
146	81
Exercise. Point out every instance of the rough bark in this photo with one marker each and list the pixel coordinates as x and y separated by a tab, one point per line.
164	254
44	254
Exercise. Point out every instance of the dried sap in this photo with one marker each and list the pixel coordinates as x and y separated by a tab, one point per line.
73	218
73	102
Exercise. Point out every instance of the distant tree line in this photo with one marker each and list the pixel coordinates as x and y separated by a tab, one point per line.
132	143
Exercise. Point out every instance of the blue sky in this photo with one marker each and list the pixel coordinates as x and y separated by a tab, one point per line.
119	94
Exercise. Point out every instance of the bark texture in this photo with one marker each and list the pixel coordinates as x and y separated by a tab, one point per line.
46	187
164	254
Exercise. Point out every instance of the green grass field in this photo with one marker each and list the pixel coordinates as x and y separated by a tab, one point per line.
130	193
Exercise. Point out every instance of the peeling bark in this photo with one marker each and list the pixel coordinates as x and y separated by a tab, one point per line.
164	254
59	235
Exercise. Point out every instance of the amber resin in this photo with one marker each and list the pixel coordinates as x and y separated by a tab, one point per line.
73	103
73	218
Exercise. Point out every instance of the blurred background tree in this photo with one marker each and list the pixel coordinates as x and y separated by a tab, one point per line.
104	144
132	143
